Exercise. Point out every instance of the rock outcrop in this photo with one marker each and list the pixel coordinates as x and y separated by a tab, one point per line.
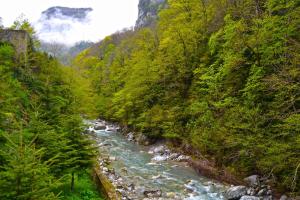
19	39
148	12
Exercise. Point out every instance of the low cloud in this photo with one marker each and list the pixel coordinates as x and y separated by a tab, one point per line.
107	17
67	28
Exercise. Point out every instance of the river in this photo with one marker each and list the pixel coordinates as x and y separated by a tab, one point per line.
135	166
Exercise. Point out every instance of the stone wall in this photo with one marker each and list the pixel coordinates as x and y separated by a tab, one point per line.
104	184
19	39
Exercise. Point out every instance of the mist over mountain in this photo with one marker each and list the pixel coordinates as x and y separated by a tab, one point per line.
63	12
64	52
60	24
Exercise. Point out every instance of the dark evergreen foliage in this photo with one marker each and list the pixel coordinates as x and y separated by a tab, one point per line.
41	139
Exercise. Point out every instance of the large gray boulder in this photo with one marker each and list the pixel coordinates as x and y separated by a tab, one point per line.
235	192
283	197
159	150
249	198
100	125
252	181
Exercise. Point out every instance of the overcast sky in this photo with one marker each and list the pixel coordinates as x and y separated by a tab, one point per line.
108	16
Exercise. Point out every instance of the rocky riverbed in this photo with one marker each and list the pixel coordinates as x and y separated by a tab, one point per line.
156	172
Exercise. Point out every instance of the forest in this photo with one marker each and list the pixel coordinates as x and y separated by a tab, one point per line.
218	77
221	76
43	154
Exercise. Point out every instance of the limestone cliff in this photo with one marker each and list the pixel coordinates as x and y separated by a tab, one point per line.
148	12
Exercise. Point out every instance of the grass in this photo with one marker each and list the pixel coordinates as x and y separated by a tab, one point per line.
85	189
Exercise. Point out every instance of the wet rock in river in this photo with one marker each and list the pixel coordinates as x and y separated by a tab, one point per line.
152	193
124	170
159	150
171	195
99	127
249	198
159	158
174	156
131	187
183	158
130	136
235	192
190	186
112	128
112	158
104	145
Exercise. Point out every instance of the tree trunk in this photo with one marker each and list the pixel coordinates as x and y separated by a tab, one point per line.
72	182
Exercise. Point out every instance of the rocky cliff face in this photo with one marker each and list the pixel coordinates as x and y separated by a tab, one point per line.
148	11
19	39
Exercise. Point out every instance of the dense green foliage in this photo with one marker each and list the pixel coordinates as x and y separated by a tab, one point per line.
85	189
223	76
42	146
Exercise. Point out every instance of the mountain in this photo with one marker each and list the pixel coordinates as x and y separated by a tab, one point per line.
63	12
64	52
1	25
79	47
148	12
60	24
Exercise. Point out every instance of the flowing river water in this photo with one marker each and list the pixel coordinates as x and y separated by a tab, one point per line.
136	166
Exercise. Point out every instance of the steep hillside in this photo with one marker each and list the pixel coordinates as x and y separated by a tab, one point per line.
63	52
219	79
42	148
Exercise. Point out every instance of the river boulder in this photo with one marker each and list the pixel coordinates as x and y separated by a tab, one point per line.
249	198
252	181
251	191
235	192
262	192
130	136
283	197
152	193
183	158
99	127
159	150
159	158
174	156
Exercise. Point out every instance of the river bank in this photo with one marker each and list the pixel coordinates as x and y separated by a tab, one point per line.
253	187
